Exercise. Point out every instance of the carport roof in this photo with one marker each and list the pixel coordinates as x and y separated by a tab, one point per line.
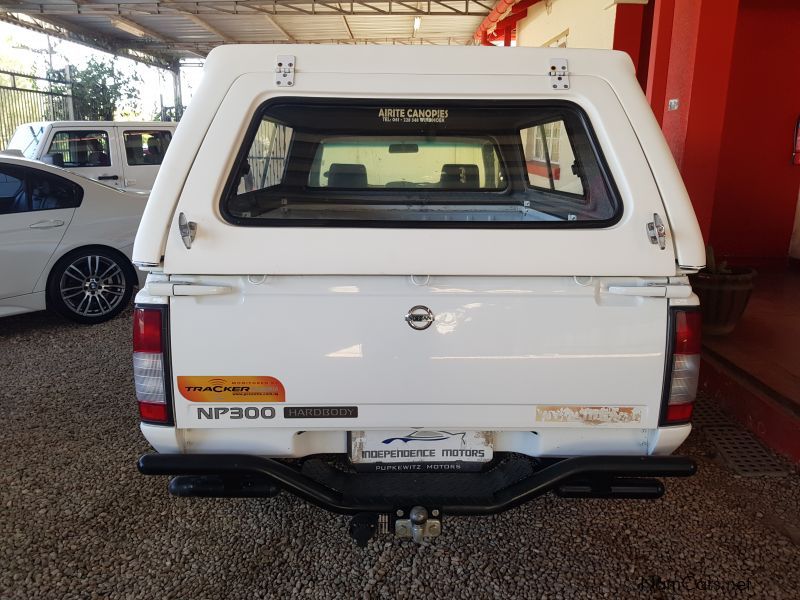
164	31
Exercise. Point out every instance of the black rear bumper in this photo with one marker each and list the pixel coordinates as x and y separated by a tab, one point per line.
511	482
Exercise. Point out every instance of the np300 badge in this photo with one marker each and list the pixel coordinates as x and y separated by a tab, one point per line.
419	317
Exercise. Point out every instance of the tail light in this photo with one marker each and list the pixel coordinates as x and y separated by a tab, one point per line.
149	369
684	367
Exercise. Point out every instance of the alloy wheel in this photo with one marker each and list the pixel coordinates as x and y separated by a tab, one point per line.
92	286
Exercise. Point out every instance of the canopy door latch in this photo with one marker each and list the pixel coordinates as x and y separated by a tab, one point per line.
187	229
656	232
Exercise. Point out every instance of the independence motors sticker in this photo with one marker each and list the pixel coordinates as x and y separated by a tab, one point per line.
242	388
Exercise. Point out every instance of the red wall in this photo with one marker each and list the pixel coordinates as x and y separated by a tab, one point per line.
686	20
632	26
699	70
756	184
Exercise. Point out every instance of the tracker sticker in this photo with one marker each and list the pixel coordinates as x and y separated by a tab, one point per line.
237	388
589	415
413	115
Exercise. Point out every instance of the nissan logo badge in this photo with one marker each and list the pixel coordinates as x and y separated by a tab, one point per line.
419	317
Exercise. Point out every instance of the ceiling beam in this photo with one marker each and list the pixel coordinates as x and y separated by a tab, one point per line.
347	26
197	19
271	20
248	7
58	28
208	46
127	25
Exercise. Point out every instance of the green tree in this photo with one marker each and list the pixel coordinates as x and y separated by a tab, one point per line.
100	90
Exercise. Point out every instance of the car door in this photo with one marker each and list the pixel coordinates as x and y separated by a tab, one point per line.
89	151
35	211
144	150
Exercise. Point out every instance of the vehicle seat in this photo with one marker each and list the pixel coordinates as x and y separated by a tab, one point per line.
343	175
97	158
154	156
133	148
460	176
79	153
43	196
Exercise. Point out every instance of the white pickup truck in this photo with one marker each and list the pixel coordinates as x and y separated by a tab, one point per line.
403	283
126	155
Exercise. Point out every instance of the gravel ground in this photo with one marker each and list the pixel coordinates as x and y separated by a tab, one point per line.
78	521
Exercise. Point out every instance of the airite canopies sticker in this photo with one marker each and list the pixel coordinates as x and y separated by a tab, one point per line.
413	115
237	388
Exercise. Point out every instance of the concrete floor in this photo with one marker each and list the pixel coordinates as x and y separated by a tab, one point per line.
79	522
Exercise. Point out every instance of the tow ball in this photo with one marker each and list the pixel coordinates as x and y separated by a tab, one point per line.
416	524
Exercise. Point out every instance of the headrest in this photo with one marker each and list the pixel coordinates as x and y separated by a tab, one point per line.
460	176
343	175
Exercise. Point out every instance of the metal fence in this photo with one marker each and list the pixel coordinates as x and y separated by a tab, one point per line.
25	98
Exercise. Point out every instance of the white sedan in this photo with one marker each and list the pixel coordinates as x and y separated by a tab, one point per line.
65	242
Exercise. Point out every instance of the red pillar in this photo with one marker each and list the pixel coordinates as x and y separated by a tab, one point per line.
703	96
690	62
628	31
658	59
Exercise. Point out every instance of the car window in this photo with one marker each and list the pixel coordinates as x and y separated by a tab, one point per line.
49	192
27	190
447	162
145	147
550	159
76	149
457	164
265	162
13	198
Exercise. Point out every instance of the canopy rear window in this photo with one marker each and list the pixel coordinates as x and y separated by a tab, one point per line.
459	164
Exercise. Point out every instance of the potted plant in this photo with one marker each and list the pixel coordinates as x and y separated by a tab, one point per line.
724	292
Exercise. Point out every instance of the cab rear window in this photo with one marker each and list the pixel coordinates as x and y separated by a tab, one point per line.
444	162
416	164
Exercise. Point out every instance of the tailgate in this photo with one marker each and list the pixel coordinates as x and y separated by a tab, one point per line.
501	352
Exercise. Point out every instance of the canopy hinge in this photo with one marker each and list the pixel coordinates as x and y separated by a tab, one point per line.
559	73
284	70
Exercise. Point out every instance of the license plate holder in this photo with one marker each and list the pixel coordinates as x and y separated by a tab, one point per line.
418	450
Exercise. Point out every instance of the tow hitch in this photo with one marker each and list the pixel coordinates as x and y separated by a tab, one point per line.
417	524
